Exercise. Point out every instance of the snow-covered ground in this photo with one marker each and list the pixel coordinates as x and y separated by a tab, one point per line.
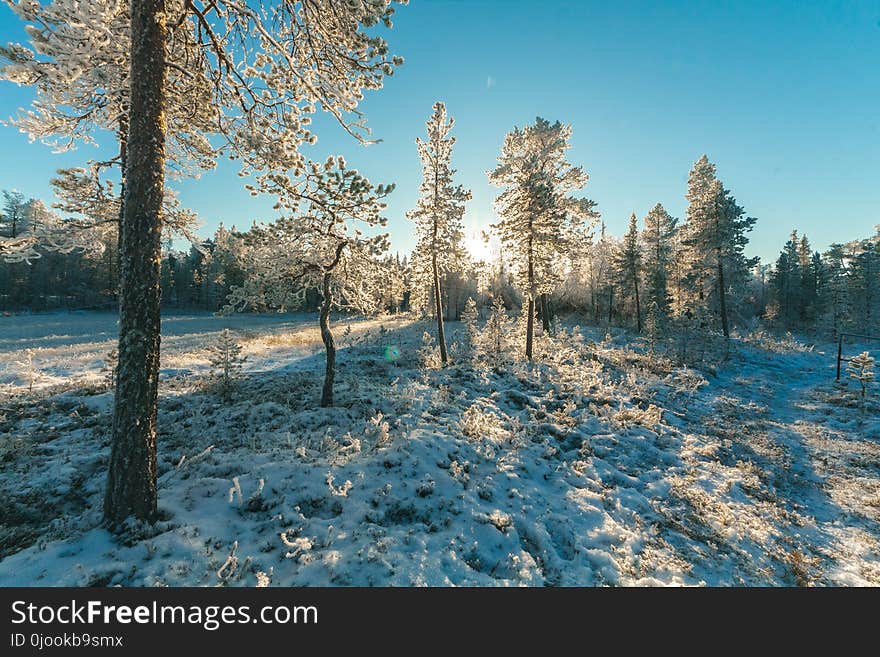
599	465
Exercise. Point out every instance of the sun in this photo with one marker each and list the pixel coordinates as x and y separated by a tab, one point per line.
478	248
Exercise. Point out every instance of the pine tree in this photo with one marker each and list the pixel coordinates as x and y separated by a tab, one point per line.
439	211
714	239
470	316
78	62
226	361
319	244
131	481
658	238
628	267
835	292
535	207
263	103
495	338
864	284
12	214
786	283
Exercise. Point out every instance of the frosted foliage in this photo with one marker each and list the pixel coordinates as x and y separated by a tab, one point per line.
93	209
250	75
322	232
658	239
226	360
78	63
496	340
273	64
536	205
45	231
252	72
440	207
861	368
713	240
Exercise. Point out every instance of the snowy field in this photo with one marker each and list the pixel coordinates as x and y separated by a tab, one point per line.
599	465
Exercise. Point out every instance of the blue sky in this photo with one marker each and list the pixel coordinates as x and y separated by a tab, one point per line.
783	96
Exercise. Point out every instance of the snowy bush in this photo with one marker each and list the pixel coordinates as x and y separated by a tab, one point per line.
378	430
496	339
686	382
478	423
785	344
429	353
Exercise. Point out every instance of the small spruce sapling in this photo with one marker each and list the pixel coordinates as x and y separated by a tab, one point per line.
861	368
495	336
469	316
226	361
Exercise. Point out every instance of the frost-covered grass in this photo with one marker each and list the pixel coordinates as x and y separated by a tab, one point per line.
598	465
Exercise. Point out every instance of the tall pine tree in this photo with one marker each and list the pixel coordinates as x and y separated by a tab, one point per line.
438	213
714	240
535	205
628	267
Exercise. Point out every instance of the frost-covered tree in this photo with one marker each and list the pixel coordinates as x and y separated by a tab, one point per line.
271	65
438	214
861	368
536	207
714	239
318	244
496	336
658	237
226	361
78	62
13	214
864	287
628	267
785	284
601	281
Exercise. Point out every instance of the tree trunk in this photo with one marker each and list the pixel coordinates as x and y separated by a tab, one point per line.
438	307
610	304
123	164
545	313
131	480
327	339
722	298
530	320
638	308
530	327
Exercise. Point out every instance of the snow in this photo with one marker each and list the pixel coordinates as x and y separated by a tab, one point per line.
598	465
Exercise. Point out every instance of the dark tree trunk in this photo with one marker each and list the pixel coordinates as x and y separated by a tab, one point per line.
438	310
327	339
545	313
530	320
530	327
722	299
131	480
610	304
116	253
638	308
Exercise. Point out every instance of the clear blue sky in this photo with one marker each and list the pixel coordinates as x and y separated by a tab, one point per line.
783	96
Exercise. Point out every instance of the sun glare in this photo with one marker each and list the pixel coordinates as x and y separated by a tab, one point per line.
478	248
